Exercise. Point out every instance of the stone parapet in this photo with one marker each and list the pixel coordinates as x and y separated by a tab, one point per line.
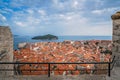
6	49
116	35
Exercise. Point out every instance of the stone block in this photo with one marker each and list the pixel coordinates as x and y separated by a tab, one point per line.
115	49
116	26
116	22
118	49
115	37
116	32
6	43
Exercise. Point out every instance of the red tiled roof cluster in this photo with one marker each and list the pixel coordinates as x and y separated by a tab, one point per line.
67	51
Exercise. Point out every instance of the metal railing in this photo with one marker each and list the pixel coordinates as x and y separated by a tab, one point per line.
110	65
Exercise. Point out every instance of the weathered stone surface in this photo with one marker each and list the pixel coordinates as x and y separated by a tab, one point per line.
116	26
115	49
116	22
116	35
59	77
6	50
116	15
119	49
116	32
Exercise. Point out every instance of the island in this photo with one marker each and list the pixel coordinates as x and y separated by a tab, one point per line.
46	37
15	35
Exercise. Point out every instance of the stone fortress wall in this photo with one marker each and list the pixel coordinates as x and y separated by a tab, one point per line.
116	36
6	49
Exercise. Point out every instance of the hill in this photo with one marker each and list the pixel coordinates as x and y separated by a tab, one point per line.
46	37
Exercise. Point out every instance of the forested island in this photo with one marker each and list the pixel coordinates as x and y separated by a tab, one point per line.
46	37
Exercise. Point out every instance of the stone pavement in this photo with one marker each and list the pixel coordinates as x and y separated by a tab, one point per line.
59	77
115	75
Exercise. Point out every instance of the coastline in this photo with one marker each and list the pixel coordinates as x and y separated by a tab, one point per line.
21	39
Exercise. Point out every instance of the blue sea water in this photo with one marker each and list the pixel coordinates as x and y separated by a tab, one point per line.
19	39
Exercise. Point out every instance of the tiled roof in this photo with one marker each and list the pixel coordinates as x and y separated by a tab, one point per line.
75	51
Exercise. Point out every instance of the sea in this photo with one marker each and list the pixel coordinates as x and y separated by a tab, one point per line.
21	39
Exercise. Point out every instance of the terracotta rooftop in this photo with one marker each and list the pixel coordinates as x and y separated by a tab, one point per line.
67	51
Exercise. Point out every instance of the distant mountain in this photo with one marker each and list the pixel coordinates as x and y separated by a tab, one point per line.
46	37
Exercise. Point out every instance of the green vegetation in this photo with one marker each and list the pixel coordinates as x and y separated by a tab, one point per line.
46	37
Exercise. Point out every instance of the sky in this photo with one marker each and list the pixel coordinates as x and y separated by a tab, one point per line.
59	17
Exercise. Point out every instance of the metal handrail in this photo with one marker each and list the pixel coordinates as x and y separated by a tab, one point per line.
54	62
49	63
113	63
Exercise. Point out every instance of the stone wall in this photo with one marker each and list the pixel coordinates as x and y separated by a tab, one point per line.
6	49
116	36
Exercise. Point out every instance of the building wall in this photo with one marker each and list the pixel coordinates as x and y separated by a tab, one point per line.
116	36
6	49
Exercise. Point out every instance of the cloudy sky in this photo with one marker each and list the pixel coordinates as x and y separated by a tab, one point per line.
59	17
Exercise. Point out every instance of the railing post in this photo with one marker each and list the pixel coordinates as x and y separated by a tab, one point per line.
109	70
48	69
